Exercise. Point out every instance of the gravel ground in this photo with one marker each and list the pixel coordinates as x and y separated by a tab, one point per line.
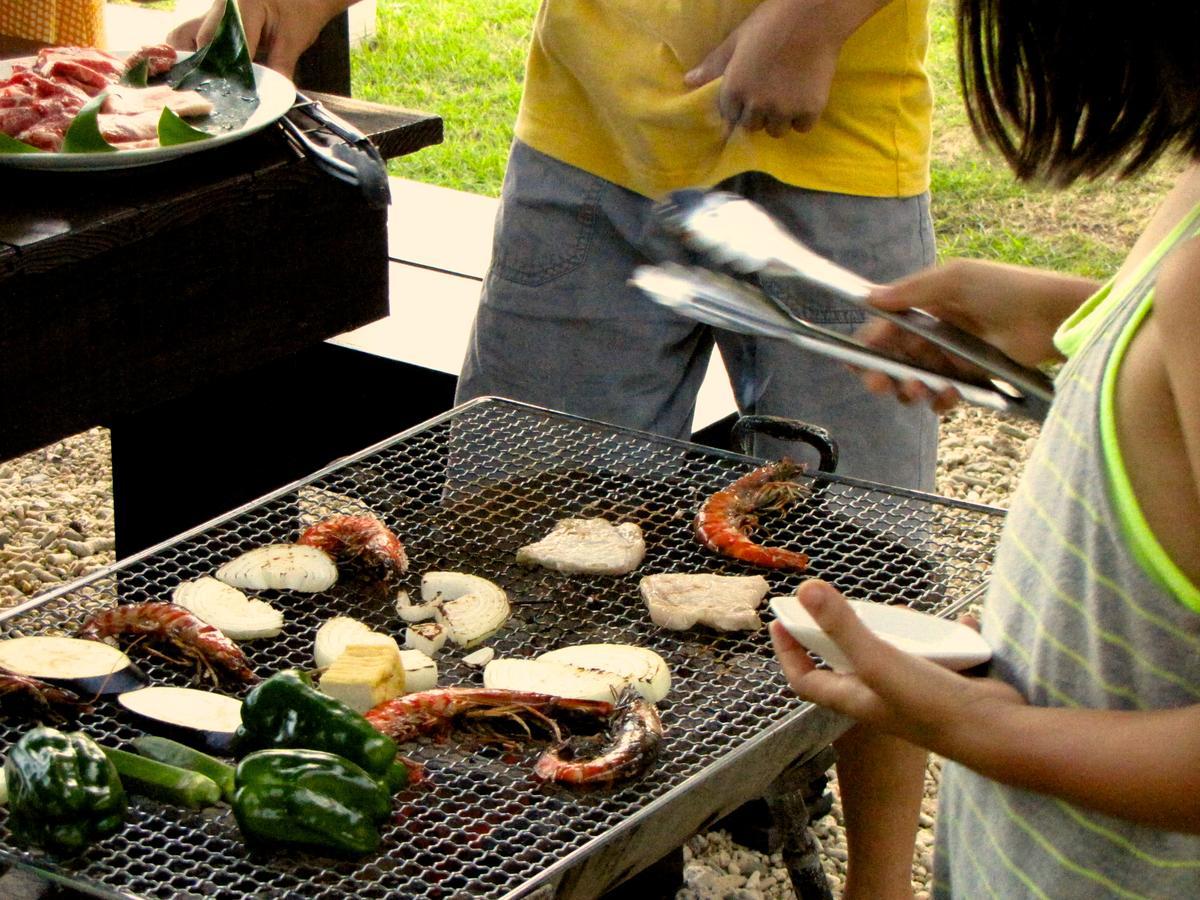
56	524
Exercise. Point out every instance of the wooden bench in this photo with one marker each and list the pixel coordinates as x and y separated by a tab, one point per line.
439	248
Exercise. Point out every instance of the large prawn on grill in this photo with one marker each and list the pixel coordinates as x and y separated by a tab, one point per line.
431	712
167	622
636	733
362	539
728	516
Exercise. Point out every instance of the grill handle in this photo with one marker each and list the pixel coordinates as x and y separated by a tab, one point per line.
746	427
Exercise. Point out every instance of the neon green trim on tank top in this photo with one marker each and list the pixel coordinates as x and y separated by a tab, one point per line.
1143	543
1078	326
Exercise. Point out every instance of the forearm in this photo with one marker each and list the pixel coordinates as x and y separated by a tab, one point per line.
1140	766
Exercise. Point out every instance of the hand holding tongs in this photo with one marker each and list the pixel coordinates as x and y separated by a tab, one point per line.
352	159
735	232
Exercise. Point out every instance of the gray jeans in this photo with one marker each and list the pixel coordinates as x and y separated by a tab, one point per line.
559	327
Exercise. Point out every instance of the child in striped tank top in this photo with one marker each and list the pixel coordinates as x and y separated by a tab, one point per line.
1074	767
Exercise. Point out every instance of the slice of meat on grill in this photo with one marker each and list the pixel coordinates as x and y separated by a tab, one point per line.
725	602
587	546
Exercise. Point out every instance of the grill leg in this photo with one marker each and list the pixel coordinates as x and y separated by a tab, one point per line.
796	798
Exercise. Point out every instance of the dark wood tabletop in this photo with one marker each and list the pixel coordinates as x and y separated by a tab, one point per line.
124	290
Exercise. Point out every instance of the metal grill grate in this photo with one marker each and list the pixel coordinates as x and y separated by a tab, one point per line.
464	492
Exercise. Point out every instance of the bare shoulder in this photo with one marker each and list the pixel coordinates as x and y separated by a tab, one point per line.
1177	291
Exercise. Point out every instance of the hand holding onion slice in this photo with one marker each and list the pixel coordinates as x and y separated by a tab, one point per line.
281	567
239	617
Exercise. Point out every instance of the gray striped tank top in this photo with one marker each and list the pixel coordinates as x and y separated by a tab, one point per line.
1074	621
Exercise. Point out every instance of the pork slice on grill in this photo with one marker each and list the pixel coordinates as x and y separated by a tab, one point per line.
725	602
587	546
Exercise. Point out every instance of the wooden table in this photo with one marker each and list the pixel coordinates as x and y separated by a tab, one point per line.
184	306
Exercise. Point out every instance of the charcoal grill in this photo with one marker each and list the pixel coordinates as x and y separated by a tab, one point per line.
464	491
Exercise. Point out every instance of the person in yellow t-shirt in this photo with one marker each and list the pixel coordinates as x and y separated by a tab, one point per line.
817	109
73	23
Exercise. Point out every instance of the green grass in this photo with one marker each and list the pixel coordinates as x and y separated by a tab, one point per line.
464	60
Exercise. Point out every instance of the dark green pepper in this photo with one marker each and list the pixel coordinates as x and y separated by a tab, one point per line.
63	793
309	797
285	711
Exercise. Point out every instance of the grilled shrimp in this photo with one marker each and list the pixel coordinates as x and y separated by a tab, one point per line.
166	621
37	692
726	517
431	711
636	735
361	538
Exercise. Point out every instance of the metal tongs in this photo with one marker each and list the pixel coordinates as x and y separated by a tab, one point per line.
351	158
734	232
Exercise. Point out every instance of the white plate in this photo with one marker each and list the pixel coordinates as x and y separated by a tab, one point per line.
276	94
948	643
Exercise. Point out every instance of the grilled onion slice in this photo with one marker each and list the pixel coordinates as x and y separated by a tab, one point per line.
281	567
639	667
222	606
471	609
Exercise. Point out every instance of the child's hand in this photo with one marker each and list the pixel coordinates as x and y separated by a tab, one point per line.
894	691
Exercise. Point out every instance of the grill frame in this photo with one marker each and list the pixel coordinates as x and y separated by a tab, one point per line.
624	828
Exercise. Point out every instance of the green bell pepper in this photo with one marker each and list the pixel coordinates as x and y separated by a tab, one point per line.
63	793
309	797
286	712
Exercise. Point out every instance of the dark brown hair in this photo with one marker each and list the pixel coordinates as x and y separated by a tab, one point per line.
1069	88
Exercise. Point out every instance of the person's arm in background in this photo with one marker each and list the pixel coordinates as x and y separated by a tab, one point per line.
778	64
278	31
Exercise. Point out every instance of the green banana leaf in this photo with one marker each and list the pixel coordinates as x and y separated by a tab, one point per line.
173	130
12	145
226	57
84	134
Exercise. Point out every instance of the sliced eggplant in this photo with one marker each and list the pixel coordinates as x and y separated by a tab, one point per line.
89	667
193	717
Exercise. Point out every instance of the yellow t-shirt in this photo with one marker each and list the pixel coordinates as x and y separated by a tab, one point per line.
76	23
604	92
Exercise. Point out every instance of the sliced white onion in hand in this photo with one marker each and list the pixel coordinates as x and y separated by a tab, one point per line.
340	632
222	606
472	608
281	567
552	678
644	669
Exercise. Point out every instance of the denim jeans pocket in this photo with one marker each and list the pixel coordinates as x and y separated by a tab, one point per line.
547	219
